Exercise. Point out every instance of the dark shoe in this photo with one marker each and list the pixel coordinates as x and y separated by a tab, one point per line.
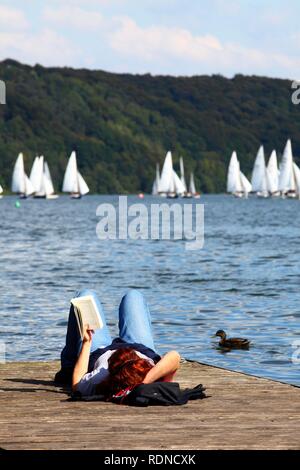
64	376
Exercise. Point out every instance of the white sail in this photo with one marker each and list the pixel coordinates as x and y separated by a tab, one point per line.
18	178
70	183
157	175
246	185
47	188
296	171
178	185
166	178
40	174
182	174
272	173
1	189
192	187
37	177
156	183
285	182
47	176
154	191
234	184
29	188
36	174
293	183
82	186
259	174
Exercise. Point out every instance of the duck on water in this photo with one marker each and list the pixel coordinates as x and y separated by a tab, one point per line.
232	343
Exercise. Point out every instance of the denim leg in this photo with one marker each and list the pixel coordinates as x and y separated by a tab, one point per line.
101	337
134	319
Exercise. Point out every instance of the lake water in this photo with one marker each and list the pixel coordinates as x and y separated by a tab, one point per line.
246	279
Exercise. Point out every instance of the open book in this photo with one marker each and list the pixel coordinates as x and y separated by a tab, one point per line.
87	313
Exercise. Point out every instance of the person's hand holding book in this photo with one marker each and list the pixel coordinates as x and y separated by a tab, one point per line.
87	334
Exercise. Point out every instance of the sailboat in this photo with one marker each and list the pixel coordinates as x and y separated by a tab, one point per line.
234	183
237	183
48	184
192	187
287	183
41	179
259	174
170	184
73	181
273	175
166	184
1	191
21	184
182	174
156	183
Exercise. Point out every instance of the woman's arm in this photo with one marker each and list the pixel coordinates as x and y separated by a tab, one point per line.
164	369
81	366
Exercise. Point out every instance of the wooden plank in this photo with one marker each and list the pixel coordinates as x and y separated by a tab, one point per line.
243	412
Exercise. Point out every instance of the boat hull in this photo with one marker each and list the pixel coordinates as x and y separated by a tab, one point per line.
44	196
262	194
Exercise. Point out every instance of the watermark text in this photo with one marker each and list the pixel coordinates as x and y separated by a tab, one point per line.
296	94
154	221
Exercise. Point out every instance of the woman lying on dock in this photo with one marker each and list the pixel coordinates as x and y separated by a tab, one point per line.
98	365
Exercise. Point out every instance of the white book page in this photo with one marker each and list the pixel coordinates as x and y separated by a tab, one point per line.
88	310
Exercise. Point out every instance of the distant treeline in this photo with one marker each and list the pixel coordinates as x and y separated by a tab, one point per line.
121	125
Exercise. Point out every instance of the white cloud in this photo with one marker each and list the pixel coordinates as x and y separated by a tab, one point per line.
81	33
74	17
149	43
159	45
12	19
46	47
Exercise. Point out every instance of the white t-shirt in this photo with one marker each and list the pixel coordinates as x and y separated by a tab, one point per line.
87	384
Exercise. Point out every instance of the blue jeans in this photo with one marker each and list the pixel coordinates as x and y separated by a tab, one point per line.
134	326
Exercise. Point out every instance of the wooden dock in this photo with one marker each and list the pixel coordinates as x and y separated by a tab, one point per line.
243	412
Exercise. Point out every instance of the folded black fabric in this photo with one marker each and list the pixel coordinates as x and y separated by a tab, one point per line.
154	394
163	394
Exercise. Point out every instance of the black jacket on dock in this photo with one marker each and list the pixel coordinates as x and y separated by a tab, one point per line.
156	393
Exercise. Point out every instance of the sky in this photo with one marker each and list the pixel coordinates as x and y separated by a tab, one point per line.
161	37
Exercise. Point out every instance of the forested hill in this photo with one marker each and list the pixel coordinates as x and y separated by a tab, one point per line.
121	125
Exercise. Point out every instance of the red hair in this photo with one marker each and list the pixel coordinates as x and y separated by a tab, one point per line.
126	369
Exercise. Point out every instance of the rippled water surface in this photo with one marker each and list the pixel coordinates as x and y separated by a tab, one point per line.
246	279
